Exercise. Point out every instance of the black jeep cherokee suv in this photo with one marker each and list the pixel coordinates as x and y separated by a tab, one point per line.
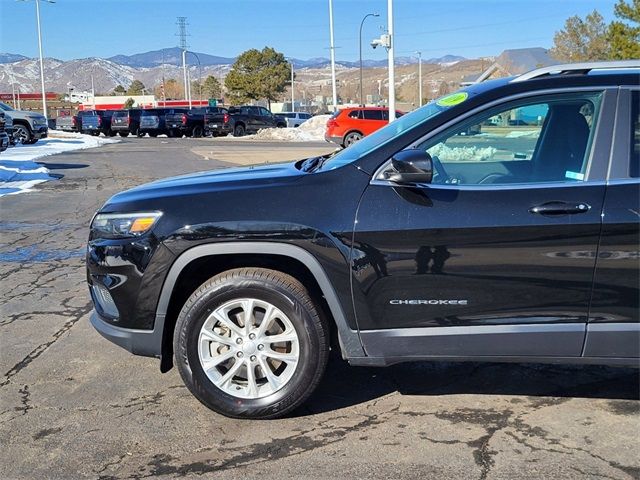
519	243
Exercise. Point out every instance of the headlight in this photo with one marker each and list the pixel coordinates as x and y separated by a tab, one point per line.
122	225
39	121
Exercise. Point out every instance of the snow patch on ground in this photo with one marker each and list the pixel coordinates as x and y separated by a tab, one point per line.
523	133
311	130
18	171
462	154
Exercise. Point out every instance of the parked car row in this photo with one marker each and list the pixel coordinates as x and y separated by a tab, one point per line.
178	122
23	126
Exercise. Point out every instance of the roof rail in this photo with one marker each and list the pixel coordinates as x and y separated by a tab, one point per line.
582	68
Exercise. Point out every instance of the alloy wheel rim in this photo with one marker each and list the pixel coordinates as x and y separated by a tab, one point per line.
21	134
248	348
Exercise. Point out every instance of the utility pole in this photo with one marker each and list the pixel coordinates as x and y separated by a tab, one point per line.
419	78
392	76
44	96
182	34
333	58
93	93
292	94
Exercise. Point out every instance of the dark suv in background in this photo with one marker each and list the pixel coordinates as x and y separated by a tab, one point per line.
125	122
419	242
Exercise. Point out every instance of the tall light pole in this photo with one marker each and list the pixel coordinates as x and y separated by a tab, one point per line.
199	79
333	58
293	102
44	96
361	24
419	78
392	74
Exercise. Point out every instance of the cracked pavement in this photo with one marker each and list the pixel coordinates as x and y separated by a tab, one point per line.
73	405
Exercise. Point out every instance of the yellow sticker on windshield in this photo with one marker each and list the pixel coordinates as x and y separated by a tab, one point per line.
453	99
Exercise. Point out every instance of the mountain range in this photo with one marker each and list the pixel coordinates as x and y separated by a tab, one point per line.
21	72
173	56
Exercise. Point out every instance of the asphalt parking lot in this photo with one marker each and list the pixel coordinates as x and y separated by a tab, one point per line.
73	405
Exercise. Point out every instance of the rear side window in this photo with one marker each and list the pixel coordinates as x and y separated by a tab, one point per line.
634	167
373	115
355	114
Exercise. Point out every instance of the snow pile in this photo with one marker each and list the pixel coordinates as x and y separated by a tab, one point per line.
311	130
523	133
18	171
462	154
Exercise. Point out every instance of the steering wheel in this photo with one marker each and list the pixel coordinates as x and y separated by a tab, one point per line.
437	165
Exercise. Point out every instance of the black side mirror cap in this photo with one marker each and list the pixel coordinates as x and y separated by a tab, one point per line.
411	167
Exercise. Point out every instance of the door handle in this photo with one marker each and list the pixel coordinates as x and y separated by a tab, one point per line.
560	208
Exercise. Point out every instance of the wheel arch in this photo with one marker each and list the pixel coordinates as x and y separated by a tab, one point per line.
23	122
200	263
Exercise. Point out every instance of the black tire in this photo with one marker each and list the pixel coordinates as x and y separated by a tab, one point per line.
281	125
153	134
238	131
111	133
123	134
196	132
172	134
351	138
31	142
288	295
139	133
22	134
95	134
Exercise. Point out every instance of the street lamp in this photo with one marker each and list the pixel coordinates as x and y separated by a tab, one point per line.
292	92
419	78
361	24
44	96
199	79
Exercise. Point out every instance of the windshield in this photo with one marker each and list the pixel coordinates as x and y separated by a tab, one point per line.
391	131
5	107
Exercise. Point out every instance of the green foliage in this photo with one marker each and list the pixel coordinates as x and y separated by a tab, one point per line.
258	75
582	40
119	90
624	33
136	88
211	88
129	103
592	39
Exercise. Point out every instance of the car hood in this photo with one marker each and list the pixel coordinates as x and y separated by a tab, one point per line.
212	181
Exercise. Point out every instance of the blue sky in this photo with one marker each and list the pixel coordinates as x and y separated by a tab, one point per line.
471	28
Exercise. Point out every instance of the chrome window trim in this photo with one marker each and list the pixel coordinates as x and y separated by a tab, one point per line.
603	88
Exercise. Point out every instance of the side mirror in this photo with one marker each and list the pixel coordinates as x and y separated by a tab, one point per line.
411	167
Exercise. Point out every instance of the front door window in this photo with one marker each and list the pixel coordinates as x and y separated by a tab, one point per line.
540	140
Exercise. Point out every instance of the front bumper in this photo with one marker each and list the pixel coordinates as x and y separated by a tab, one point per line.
147	343
40	132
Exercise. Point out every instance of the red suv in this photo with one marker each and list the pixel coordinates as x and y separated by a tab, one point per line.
349	125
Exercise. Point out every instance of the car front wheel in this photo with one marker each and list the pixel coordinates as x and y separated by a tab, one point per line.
249	343
22	134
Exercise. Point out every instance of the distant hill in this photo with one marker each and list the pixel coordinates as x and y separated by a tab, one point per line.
167	56
11	57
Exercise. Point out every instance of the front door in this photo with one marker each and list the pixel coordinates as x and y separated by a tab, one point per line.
496	256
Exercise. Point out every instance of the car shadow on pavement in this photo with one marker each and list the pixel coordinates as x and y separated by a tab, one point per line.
345	386
62	166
